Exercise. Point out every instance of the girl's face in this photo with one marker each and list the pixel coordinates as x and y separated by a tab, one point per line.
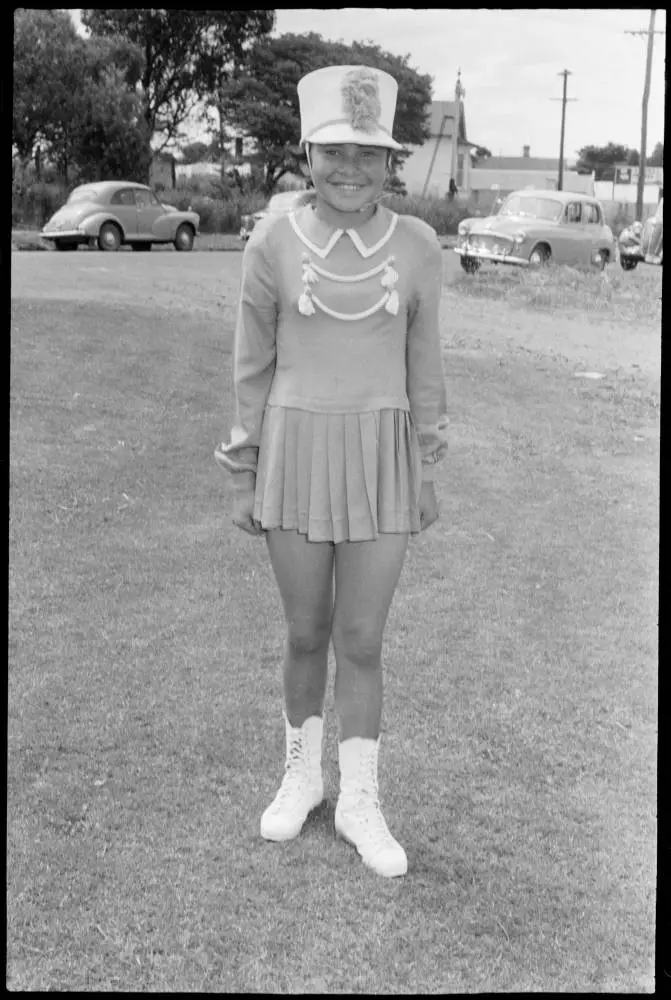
347	176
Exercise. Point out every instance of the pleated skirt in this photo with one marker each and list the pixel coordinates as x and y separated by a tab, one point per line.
338	477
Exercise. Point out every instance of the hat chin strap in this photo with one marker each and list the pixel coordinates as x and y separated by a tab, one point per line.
366	205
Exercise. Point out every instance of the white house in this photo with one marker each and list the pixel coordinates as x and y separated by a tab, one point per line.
445	155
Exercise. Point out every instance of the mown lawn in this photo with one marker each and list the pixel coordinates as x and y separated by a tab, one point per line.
145	635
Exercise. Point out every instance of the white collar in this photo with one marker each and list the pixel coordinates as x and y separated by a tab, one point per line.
365	251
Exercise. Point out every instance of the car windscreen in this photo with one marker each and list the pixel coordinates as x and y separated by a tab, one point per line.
84	194
532	207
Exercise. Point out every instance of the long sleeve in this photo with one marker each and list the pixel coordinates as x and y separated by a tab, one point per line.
254	354
424	364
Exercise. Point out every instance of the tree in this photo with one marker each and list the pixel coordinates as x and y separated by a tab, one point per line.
262	100
480	154
656	158
112	141
196	152
74	98
181	50
601	160
43	40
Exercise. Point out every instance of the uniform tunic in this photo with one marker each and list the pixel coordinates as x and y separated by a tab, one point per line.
339	386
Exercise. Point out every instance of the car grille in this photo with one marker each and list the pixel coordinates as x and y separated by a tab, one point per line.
495	244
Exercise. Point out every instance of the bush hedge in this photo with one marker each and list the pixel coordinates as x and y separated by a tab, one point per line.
221	207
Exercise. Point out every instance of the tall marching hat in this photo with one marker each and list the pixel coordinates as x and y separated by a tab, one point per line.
348	104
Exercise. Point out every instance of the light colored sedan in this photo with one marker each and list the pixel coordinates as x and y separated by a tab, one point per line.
535	227
280	204
108	214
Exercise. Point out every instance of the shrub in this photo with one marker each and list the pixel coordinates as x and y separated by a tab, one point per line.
33	205
443	215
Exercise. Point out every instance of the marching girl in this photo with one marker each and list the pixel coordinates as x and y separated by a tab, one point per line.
340	404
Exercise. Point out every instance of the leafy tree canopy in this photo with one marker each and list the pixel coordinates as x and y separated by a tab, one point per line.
185	54
262	101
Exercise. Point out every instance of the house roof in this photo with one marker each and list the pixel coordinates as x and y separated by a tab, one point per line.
520	163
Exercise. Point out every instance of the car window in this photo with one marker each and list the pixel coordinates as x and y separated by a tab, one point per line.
591	213
532	207
84	194
573	212
142	198
123	197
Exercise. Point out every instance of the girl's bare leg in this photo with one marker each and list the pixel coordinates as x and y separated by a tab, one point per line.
366	575
304	574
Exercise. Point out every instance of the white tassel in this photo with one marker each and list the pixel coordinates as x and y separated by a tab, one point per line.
392	303
310	276
306	305
390	277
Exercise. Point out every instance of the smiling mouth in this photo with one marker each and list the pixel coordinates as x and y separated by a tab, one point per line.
349	188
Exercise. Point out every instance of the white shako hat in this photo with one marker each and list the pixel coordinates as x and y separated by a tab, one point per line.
348	104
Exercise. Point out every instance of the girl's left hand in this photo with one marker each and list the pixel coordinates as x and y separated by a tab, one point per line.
428	506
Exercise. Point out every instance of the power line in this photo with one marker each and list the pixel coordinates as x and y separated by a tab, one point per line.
564	99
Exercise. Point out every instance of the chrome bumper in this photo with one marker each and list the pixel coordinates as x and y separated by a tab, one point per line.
63	234
480	253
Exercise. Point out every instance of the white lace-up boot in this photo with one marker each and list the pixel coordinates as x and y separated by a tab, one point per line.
302	787
358	817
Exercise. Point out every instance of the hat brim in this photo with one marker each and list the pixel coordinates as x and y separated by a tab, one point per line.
342	133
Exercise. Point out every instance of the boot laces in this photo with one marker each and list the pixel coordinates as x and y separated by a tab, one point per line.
294	772
366	807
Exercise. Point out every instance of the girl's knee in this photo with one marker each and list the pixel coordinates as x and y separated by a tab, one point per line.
308	636
359	642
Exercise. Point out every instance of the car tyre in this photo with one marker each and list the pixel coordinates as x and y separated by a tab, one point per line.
64	245
601	260
184	238
627	264
470	264
140	247
109	237
540	256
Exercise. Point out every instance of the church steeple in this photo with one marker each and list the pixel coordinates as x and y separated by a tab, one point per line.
459	92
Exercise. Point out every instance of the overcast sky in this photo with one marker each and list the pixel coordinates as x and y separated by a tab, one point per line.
510	61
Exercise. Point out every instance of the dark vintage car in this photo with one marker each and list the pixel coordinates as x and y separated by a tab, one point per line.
108	214
535	227
643	243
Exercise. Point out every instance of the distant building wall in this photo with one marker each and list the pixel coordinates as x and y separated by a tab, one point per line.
415	170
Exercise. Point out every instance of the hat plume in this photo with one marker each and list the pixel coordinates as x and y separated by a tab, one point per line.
361	99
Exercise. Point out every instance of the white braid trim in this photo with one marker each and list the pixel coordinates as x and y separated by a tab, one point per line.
352	317
349	278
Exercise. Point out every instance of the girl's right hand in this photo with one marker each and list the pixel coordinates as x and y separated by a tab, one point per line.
243	513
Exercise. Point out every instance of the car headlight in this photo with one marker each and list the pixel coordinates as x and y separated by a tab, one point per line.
464	229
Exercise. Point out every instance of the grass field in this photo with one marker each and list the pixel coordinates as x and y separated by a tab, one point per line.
518	763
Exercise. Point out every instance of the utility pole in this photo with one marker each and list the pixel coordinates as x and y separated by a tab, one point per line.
565	73
644	110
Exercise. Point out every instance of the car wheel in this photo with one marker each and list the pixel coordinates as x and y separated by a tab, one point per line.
184	238
140	247
470	264
109	237
627	263
601	260
64	245
540	256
